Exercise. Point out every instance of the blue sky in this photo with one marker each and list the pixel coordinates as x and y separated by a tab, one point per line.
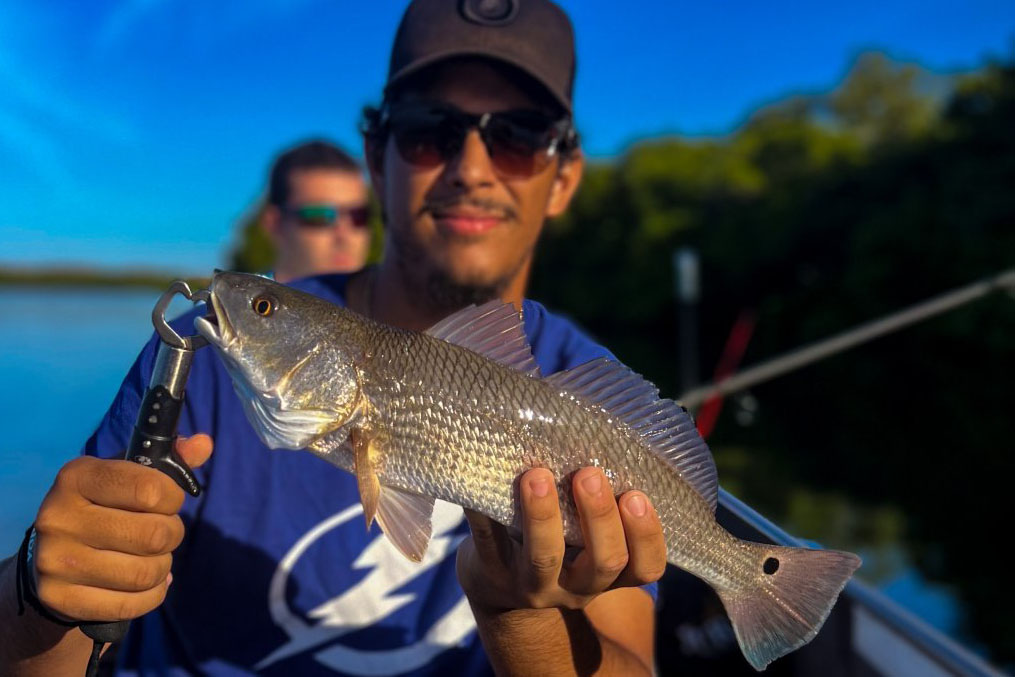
136	133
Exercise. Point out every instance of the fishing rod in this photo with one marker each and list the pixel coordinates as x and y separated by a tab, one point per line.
865	332
153	442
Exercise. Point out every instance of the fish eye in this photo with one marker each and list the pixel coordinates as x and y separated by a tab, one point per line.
264	305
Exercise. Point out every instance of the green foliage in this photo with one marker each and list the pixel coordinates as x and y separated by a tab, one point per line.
255	252
376	230
823	212
883	102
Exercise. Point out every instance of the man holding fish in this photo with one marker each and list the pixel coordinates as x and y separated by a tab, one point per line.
472	148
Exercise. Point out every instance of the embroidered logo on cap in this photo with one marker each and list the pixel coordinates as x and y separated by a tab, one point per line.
490	12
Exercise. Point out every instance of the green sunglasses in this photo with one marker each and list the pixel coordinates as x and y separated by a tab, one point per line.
327	215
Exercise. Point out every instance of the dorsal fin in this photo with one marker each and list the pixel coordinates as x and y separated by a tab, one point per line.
663	424
494	330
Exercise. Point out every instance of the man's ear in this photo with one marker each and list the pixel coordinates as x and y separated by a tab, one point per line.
271	222
569	175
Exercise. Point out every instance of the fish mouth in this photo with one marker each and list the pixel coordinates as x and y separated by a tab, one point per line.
215	325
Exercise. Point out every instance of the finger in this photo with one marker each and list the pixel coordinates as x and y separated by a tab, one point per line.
646	545
542	531
605	554
79	564
124	485
131	533
490	539
85	603
195	450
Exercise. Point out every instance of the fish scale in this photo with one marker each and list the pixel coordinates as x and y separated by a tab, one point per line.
498	448
460	412
488	493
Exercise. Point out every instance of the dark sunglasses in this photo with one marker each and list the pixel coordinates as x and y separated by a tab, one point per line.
326	215
520	143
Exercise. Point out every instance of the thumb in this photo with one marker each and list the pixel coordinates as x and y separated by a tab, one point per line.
194	450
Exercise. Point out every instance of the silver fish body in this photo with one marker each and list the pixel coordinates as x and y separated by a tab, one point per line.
463	428
460	412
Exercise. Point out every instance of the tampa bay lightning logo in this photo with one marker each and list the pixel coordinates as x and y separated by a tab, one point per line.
370	600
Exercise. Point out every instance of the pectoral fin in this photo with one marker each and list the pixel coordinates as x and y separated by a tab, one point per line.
405	519
403	516
366	476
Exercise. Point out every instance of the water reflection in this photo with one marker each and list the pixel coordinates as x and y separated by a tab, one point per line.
62	355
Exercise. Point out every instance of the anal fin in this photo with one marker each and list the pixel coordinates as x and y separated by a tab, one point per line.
404	517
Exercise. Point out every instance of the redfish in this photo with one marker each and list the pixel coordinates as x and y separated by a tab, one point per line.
460	411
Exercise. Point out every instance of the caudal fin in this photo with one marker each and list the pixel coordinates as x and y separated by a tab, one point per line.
788	601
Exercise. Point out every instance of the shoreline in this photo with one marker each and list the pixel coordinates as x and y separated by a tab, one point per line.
53	277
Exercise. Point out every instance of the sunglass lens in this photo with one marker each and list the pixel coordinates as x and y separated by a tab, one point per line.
316	216
425	137
429	135
360	216
419	147
518	142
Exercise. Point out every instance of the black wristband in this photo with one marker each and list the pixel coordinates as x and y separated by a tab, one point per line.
26	581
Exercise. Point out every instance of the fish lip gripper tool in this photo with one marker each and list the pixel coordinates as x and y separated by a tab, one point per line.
153	441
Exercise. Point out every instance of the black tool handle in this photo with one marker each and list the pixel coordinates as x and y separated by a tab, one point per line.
153	444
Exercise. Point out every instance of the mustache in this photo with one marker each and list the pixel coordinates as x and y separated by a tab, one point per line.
494	207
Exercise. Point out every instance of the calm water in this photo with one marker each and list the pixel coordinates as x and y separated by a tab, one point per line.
63	353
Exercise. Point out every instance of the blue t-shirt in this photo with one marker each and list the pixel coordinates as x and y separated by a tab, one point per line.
277	573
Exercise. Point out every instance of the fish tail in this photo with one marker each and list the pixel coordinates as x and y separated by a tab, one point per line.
784	605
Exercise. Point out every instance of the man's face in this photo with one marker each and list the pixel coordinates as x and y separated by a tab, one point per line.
307	247
460	232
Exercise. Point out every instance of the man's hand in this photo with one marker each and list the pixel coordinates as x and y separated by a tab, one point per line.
104	535
537	613
624	547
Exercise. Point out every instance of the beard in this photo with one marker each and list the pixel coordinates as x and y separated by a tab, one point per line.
435	288
445	294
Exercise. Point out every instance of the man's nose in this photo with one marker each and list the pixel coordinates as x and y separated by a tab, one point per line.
472	166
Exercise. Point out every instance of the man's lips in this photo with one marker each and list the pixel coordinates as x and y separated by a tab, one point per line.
466	222
344	259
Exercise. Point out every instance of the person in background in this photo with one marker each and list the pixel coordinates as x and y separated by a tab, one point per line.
317	213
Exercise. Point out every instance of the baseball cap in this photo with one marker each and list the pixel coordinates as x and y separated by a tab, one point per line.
534	36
